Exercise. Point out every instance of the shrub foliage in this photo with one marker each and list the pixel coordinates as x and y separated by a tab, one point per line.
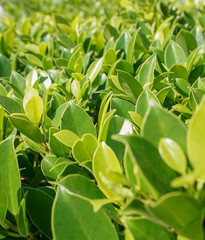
102	120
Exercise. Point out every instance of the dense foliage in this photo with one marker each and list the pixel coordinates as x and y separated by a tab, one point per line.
102	120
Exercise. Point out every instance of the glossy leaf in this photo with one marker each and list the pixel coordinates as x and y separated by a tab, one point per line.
130	85
146	74
173	155
34	109
52	167
141	229
29	129
57	146
122	42
67	137
158	124
3	205
18	81
147	157
174	54
73	215
187	41
23	224
76	120
84	148
195	137
38	205
94	69
105	160
122	107
85	188
10	177
10	105
5	67
179	211
131	47
145	100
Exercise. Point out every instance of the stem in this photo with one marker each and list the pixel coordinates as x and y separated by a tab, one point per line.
14	234
4	225
11	226
31	236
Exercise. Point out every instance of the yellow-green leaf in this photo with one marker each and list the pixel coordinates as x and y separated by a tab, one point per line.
67	137
34	109
173	155
196	138
105	161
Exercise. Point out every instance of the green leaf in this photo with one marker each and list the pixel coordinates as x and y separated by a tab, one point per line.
34	60
122	107
178	210
173	155
103	131
75	87
130	85
118	125
71	212
174	54
182	86
144	229
10	178
26	127
5	67
22	221
195	95
34	108
56	146
136	118
10	105
195	137
146	99
130	168
3	91
77	120
105	160
67	137
110	31
131	48
9	39
135	206
18	81
31	78
59	113
74	57
123	41
3	205
65	40
178	71
25	27
146	74
110	56
162	94
103	110
84	188
186	40
37	147
192	58
159	123
94	69
124	66
147	157
38	206
84	148
52	167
